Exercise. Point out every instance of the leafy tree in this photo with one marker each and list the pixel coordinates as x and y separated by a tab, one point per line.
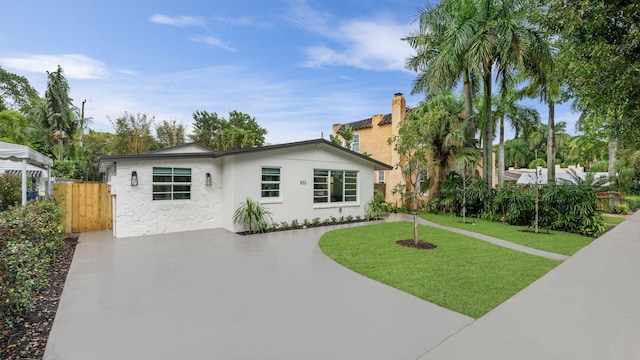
240	131
15	91
169	133
59	110
599	57
133	134
95	145
12	127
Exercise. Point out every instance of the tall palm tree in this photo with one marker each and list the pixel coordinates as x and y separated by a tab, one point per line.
494	37
520	117
439	61
60	116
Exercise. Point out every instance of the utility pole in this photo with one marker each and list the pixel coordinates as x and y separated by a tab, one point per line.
82	121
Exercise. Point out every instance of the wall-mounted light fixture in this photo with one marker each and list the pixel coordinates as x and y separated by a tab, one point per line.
207	179
134	178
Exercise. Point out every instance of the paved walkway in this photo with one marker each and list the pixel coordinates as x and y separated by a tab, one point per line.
217	295
586	308
503	243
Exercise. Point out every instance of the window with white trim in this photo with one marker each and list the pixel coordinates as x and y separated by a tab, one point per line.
270	187
355	143
333	186
380	176
171	183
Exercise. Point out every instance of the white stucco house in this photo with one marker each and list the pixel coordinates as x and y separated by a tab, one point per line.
191	187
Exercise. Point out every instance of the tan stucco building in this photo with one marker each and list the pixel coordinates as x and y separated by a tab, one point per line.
371	137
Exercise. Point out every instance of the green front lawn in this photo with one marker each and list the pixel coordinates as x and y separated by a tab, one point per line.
554	241
463	274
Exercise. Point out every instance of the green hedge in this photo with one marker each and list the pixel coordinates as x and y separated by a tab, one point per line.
10	186
29	239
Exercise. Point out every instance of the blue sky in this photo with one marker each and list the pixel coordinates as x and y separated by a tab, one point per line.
297	66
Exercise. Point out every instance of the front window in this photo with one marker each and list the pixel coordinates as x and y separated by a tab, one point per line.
355	144
380	176
270	182
171	183
330	186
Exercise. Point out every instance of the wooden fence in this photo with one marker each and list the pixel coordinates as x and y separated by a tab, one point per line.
87	206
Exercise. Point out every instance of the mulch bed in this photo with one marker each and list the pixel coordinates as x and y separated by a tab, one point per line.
423	245
28	338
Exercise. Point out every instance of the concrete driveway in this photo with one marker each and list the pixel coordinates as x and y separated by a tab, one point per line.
213	294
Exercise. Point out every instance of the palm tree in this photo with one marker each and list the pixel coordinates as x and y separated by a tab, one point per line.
60	117
520	117
493	35
347	134
439	62
516	153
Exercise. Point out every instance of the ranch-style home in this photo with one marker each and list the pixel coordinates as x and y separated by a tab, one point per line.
192	187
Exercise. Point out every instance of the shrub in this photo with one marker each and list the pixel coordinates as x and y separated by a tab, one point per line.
537	162
571	208
377	207
295	224
29	239
515	204
10	186
253	215
622	208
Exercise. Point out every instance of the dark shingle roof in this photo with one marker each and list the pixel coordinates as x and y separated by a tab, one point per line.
367	123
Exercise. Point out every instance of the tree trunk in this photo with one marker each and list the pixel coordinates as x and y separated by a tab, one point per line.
551	144
468	101
613	147
501	154
487	149
415	214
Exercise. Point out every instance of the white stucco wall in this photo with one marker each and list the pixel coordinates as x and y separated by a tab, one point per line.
242	179
136	213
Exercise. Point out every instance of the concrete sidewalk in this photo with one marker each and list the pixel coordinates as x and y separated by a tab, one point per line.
586	308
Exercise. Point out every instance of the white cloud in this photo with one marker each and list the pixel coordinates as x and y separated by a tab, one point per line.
210	40
75	66
372	44
239	21
180	21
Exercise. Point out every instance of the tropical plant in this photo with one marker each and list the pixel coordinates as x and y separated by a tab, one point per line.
516	153
377	207
346	132
492	38
60	115
253	215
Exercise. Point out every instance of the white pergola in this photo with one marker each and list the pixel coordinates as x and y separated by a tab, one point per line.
26	155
